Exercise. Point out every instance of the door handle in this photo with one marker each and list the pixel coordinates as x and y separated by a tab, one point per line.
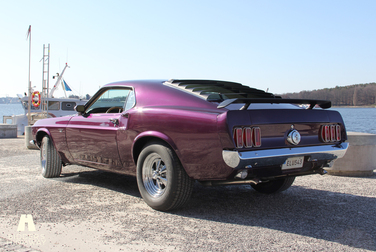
115	121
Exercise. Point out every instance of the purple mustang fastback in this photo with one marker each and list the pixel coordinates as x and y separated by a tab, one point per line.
171	133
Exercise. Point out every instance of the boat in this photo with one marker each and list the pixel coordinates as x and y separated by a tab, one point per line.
44	105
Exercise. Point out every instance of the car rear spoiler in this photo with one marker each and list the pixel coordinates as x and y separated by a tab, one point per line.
312	103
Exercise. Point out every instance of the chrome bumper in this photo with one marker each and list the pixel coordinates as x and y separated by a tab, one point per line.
261	158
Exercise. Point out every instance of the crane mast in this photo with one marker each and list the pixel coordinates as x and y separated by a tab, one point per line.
59	77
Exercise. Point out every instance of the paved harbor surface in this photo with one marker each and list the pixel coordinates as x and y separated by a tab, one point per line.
89	210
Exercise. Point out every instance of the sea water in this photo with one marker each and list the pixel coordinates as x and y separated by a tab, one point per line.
359	119
10	109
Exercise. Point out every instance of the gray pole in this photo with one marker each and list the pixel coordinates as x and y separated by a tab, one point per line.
29	103
48	78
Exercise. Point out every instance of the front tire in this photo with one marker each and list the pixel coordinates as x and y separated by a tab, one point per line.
49	159
274	186
162	181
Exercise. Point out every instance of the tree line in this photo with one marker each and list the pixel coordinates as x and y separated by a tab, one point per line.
353	95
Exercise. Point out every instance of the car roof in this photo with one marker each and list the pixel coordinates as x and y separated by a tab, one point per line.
210	94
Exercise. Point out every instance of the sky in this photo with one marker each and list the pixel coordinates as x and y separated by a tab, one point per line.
283	46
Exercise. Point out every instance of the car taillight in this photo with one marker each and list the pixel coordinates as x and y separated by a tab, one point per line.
238	137
338	133
247	137
256	137
330	133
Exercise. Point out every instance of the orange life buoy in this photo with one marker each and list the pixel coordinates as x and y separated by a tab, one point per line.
35	98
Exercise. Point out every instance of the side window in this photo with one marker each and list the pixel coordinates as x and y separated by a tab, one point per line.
112	100
131	101
53	105
68	106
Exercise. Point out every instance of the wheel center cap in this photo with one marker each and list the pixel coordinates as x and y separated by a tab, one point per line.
155	175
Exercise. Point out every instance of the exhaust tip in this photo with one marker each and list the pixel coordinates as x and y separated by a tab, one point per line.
241	174
322	172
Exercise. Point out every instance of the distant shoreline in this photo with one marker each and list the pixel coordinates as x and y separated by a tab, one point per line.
9	100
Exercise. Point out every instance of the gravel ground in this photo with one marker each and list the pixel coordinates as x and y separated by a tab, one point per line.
90	210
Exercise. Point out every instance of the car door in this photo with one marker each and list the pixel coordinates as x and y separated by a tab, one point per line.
125	135
92	136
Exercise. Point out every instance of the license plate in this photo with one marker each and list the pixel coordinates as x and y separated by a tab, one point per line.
292	163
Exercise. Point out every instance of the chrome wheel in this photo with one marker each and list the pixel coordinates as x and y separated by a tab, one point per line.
154	175
163	183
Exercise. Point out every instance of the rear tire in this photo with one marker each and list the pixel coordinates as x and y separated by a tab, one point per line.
274	186
162	181
49	159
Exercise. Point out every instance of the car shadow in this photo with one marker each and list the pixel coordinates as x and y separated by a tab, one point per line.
109	180
336	217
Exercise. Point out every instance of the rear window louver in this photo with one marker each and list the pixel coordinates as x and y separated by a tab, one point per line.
218	91
226	93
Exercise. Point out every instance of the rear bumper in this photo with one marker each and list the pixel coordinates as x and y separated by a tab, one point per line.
264	158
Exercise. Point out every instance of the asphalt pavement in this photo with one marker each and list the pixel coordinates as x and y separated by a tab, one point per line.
90	210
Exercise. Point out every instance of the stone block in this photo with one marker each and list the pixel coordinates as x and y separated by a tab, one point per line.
360	158
28	138
8	130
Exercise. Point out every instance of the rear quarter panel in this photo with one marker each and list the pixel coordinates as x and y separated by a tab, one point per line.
193	133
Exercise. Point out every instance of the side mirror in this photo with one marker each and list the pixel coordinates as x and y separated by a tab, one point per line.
80	109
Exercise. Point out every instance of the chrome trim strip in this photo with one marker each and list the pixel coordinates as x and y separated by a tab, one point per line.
262	158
